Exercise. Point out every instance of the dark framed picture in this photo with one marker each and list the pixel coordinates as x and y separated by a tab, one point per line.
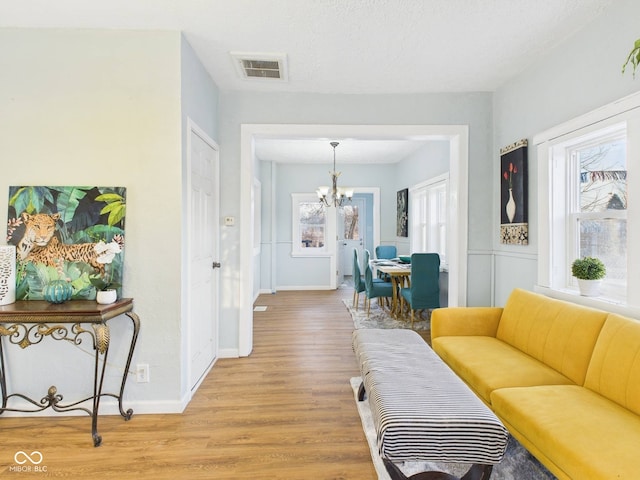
402	223
75	234
514	219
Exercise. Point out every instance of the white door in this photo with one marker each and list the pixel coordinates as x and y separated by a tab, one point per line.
203	255
354	231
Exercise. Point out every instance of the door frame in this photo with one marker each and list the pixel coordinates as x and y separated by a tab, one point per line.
458	136
193	128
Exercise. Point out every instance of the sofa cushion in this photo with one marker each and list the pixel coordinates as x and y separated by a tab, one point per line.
559	334
584	434
486	363
614	371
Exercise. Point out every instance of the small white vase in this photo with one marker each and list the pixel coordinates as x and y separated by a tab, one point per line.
511	207
589	288
7	274
105	297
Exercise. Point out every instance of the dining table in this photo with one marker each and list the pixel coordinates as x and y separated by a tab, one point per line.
400	274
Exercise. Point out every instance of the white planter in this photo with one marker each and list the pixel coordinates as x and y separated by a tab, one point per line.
105	297
589	288
7	274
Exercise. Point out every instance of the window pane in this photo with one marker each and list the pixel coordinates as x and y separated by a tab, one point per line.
607	240
312	224
603	177
351	222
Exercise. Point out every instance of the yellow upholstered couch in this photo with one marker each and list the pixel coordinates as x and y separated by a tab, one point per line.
564	379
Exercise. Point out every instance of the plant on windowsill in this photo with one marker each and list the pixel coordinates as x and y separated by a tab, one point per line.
633	58
589	271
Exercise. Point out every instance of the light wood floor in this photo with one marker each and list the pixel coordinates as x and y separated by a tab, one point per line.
285	412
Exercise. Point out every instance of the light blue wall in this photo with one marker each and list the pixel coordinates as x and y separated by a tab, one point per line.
578	76
472	109
198	94
199	102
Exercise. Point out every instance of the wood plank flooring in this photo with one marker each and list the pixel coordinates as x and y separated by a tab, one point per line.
285	412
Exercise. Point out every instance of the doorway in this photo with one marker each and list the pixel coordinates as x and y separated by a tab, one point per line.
456	135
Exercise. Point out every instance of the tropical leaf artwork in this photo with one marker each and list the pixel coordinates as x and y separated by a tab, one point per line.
56	231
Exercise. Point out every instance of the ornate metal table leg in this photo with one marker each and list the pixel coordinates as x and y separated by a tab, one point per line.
3	382
136	329
101	347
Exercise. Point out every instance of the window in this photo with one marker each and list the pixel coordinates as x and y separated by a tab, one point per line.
351	222
428	212
597	215
584	207
309	225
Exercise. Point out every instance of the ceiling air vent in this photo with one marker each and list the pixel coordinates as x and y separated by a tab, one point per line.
261	66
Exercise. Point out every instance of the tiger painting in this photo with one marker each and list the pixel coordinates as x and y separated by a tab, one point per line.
40	245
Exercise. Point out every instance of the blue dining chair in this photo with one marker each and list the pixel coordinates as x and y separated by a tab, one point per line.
374	289
424	292
386	252
358	281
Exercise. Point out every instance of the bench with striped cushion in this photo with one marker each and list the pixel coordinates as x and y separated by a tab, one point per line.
421	410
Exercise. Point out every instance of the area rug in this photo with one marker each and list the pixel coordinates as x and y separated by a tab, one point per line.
381	318
518	463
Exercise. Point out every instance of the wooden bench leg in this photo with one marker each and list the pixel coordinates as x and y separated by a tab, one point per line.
476	472
361	392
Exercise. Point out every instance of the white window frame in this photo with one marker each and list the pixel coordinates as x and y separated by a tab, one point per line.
553	233
426	225
296	247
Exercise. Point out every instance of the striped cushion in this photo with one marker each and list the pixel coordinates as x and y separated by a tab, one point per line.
420	408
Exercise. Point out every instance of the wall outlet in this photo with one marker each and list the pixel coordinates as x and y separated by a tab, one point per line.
142	373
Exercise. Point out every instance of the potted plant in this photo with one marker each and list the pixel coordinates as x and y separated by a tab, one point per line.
105	286
633	58
589	271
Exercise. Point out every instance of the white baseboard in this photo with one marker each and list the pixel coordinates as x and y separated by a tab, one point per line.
304	287
228	353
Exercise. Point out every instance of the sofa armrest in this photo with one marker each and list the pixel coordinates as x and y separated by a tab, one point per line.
457	321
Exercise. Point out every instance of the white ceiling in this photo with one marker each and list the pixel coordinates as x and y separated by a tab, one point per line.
341	46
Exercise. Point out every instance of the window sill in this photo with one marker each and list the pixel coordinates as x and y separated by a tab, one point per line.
600	303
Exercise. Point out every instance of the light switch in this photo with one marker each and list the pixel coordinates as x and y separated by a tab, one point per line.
229	221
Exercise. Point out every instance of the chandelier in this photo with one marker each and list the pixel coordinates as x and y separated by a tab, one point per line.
337	195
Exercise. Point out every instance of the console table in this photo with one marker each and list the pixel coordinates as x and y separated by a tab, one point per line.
26	323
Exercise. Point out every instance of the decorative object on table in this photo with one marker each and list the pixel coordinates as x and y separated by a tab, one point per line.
7	274
56	230
589	271
514	226
57	291
405	258
402	205
106	297
336	196
633	58
103	282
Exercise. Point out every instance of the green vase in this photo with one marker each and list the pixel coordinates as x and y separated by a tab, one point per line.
57	291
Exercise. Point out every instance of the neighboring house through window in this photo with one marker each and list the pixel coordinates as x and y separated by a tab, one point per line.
584	207
309	224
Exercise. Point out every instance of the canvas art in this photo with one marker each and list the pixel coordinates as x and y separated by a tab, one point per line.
403	213
74	234
514	226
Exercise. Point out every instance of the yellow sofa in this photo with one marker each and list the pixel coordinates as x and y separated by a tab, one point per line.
564	379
